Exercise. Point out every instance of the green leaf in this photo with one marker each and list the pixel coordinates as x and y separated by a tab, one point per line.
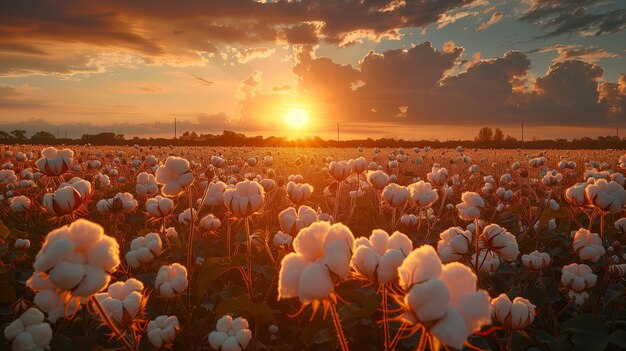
549	214
214	267
613	292
618	338
589	332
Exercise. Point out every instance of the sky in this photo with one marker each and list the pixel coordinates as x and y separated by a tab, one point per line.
413	69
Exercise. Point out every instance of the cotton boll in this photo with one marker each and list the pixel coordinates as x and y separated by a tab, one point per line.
420	265
514	315
292	222
146	184
395	195
245	199
162	330
578	277
378	179
471	206
454	243
500	241
422	194
315	283
339	170
174	175
171	280
536	260
444	299
588	245
299	193
29	332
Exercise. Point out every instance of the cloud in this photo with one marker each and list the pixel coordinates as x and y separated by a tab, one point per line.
12	98
246	55
495	18
423	85
561	17
41	36
568	52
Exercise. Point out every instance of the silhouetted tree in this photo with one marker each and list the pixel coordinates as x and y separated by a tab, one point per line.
5	135
19	134
42	136
498	135
485	134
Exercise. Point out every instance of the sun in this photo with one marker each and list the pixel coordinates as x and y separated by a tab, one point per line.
296	118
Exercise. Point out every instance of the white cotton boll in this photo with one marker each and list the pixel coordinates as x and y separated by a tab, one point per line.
282	239
420	265
339	170
292	222
515	315
409	220
210	223
388	265
450	330
395	195
29	332
454	243
498	240
146	184
575	194
78	257
578	277
159	206
19	204
174	175
245	199
422	193
315	283
365	261
184	217
243	337
216	339
536	260
588	245
171	280
162	330
358	165
299	193
215	194
487	261
620	225
292	266
607	196
378	179
22	244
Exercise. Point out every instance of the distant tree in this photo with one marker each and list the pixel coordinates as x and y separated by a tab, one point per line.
485	134
120	137
42	136
498	135
4	135
510	138
19	134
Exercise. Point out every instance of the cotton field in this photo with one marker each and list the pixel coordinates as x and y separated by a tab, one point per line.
199	248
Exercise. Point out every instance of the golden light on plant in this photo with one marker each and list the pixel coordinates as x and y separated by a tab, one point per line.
296	118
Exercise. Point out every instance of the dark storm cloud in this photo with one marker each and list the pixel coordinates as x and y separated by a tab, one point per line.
559	17
415	86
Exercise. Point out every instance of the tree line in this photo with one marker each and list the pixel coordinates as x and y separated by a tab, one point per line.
486	138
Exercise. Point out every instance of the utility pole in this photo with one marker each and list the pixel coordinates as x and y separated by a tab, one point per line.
337	131
174	127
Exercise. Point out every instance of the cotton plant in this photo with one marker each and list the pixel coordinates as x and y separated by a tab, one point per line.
230	334
442	299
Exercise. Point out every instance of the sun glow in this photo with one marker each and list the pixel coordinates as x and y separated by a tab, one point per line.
296	118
